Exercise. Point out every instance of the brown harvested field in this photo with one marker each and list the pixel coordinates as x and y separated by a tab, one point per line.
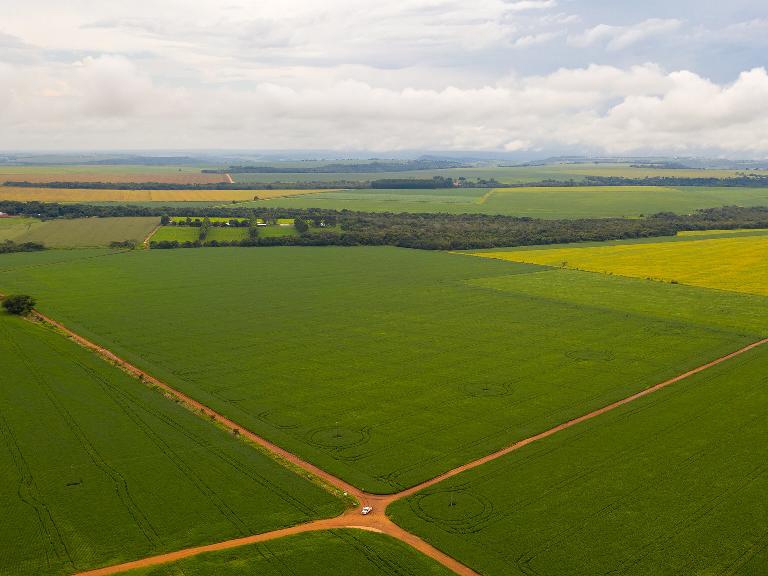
88	195
165	174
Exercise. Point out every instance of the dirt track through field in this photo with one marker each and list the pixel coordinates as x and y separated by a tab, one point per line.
145	243
377	520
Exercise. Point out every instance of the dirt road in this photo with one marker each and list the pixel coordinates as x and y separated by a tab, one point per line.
145	243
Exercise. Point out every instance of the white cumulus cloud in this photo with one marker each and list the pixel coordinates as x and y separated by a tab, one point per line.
111	101
620	37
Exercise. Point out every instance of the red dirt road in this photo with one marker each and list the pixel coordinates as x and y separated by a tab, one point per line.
377	520
351	519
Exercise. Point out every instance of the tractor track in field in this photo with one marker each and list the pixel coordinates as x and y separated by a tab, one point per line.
376	520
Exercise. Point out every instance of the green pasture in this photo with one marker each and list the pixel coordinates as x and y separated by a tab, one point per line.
97	469
191	234
330	553
547	203
17	261
13	228
671	484
77	232
384	366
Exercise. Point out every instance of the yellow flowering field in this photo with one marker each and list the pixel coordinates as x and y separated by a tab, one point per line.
738	264
746	231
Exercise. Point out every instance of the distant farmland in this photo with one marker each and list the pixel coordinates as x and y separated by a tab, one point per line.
97	468
130	196
541	202
385	366
13	228
671	484
736	263
504	174
79	232
109	173
191	234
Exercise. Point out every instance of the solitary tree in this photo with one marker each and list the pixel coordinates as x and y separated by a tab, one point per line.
19	304
204	227
301	225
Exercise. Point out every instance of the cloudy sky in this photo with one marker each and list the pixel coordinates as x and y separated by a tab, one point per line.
534	76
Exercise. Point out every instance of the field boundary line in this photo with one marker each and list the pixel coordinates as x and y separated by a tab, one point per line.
377	520
145	243
484	198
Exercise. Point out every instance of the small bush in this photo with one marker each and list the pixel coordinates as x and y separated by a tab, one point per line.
130	244
19	304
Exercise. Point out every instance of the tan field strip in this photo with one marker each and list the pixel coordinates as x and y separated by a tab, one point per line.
89	195
42	174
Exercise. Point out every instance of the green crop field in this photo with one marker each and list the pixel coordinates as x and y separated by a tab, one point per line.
331	553
78	232
385	366
96	468
671	484
13	228
191	234
548	203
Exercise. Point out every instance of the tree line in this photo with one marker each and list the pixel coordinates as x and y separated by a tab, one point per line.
431	231
742	181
